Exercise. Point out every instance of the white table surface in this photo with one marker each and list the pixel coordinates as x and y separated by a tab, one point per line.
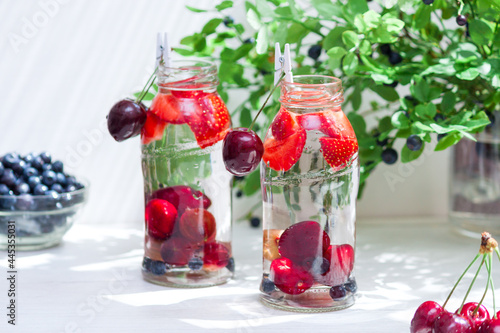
93	283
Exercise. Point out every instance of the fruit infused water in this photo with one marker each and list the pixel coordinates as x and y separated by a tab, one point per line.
187	189
310	179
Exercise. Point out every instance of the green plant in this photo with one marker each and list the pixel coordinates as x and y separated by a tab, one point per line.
436	68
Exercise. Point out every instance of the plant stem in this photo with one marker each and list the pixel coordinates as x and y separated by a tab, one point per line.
144	90
267	99
472	283
488	268
460	278
493	290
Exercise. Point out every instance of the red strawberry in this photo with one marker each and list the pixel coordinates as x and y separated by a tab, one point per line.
338	153
197	225
177	251
182	197
153	128
160	218
341	259
216	256
191	91
332	123
208	118
281	155
167	108
290	278
284	125
303	242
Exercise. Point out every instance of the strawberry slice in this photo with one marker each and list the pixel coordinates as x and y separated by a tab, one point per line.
338	153
284	125
153	128
167	108
208	118
281	155
332	123
192	91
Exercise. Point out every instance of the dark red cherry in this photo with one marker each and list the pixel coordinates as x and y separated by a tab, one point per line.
424	317
477	319
451	322
490	326
242	151
125	119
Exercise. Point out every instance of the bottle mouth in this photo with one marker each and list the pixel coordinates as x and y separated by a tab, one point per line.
188	75
312	91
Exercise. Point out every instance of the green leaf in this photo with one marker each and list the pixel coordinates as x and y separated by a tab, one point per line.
418	127
252	183
245	118
468	74
334	38
350	39
448	141
262	40
420	89
327	8
448	102
399	120
393	25
445	69
426	110
387	93
223	5
335	55
408	155
196	10
147	97
357	123
358	6
350	63
480	32
211	25
422	16
253	19
264	8
365	47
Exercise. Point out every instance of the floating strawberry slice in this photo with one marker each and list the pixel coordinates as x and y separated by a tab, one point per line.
167	108
341	259
182	197
284	125
290	278
153	128
177	251
281	155
208	119
303	242
160	218
191	91
332	123
216	256
197	225
338	153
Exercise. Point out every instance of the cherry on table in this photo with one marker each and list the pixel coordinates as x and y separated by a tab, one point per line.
490	326
126	119
242	151
426	314
476	320
451	322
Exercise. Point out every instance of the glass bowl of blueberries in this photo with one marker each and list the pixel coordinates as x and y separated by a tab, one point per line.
38	201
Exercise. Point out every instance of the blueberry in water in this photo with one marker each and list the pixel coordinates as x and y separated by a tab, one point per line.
195	263
314	52
2	168
414	142
267	285
9	159
40	189
57	166
158	268
57	187
49	177
46	167
389	156
46	157
338	292
61	179
395	58
37	163
25	202
30	171
351	286
8	178
230	265
33	181
146	263
255	222
320	266
239	194
22	188
4	189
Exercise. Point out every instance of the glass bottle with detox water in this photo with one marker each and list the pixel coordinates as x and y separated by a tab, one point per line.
310	180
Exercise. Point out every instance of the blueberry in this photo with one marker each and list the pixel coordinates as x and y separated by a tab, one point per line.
338	292
2	168
30	171
392	85
320	266
158	267
267	285
70	180
57	187
28	158
57	166
22	188
439	117
395	58
351	286
49	177
228	21
33	181
385	49
255	222
37	163
239	194
79	186
314	51
19	167
70	188
4	189
491	117
146	263
195	263
9	159
249	41
46	157
51	200
382	143
461	20
8	202
414	142
61	179
428	2
58	220
25	202
40	189
8	178
46	167
230	265
46	224
389	156
67	199
440	136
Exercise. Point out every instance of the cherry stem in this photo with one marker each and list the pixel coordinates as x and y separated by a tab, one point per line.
144	91
493	290
488	268
267	99
472	283
460	279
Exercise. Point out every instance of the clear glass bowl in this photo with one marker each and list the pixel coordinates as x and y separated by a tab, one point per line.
38	221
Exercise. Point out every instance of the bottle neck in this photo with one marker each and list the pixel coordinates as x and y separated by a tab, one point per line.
188	75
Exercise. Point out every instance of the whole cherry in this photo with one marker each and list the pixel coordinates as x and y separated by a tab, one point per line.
475	319
490	326
451	322
426	314
126	119
242	151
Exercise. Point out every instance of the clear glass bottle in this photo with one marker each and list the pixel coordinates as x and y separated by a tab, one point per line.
310	180
186	186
